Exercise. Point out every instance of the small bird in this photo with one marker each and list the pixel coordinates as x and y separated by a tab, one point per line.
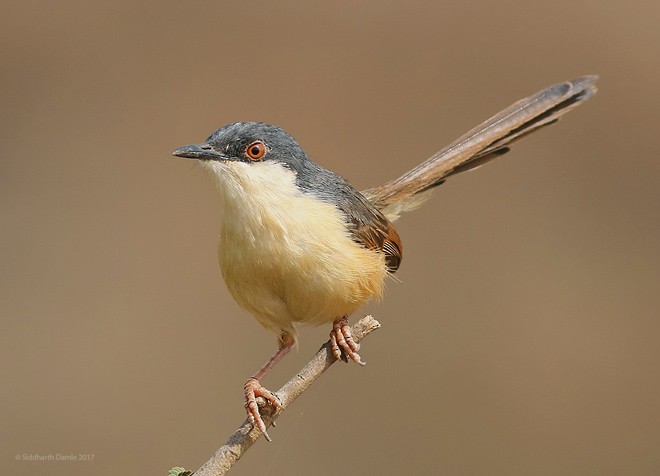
299	244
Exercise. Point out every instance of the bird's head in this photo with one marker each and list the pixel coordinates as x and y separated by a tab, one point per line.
248	143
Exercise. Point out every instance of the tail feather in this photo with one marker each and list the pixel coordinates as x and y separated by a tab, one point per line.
480	145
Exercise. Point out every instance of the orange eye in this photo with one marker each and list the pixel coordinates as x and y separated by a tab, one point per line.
256	150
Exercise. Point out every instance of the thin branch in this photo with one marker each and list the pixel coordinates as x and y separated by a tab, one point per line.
238	443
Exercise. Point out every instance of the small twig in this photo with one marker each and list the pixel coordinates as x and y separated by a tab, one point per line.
238	443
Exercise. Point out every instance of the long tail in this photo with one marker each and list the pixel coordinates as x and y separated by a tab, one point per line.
480	145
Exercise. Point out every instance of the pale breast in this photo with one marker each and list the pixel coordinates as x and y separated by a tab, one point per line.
288	257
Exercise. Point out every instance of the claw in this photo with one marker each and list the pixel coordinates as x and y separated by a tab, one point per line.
253	389
342	344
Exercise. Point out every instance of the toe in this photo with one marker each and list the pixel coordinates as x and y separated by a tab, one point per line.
336	352
348	338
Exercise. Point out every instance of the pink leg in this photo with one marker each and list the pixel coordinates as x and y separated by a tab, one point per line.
342	340
253	388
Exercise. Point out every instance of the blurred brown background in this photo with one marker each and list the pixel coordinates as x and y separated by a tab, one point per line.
523	338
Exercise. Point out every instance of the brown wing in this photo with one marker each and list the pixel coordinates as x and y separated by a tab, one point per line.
370	228
380	235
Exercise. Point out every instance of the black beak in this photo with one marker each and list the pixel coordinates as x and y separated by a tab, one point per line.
199	151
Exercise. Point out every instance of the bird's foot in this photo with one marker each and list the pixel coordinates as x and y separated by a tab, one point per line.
253	389
341	340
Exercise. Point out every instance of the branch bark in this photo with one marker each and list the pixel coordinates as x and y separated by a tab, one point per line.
243	438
